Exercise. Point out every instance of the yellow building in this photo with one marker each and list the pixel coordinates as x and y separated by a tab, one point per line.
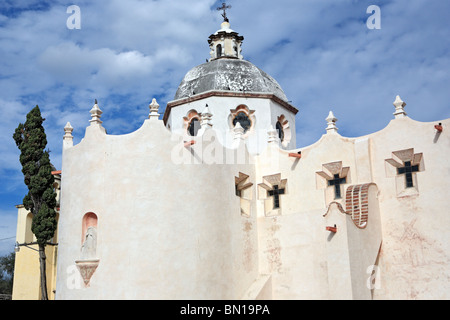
27	282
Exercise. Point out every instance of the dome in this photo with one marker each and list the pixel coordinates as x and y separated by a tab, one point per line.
228	74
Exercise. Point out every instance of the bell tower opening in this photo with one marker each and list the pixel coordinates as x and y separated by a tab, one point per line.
225	43
218	51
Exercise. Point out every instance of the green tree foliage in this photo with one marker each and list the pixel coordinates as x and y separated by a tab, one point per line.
31	140
7	273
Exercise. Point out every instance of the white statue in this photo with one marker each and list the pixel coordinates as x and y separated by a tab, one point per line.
88	249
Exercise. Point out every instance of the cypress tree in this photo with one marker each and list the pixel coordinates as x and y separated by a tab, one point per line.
31	140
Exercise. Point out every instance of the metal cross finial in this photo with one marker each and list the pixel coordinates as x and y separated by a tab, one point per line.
224	7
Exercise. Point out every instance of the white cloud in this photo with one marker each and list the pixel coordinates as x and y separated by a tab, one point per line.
72	65
128	52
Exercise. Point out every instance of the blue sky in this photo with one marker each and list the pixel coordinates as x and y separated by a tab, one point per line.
127	52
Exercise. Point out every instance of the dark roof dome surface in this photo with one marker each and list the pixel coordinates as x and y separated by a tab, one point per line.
228	74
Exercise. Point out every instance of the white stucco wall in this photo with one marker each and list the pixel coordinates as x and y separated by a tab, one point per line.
165	230
169	222
265	110
414	257
416	253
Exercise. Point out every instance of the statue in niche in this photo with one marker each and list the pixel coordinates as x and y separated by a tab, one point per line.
88	249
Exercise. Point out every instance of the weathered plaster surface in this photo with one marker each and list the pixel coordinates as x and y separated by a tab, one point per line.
172	228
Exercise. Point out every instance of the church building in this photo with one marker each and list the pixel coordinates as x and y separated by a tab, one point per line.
216	201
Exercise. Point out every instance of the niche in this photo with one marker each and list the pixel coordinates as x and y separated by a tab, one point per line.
88	262
89	236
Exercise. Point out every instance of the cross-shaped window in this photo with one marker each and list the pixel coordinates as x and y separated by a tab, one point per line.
270	190
404	166
336	182
275	193
243	191
240	184
333	175
407	170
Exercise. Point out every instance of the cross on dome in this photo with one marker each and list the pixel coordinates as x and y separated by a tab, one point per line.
225	42
224	7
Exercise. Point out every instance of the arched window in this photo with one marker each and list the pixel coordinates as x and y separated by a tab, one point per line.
28	232
243	120
280	131
244	116
191	123
218	50
193	126
284	130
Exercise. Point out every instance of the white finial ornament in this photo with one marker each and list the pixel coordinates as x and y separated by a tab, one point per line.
272	135
96	113
238	131
68	138
68	129
331	121
154	107
238	134
399	105
206	117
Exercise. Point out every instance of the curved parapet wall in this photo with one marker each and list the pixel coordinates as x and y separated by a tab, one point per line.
357	203
353	241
